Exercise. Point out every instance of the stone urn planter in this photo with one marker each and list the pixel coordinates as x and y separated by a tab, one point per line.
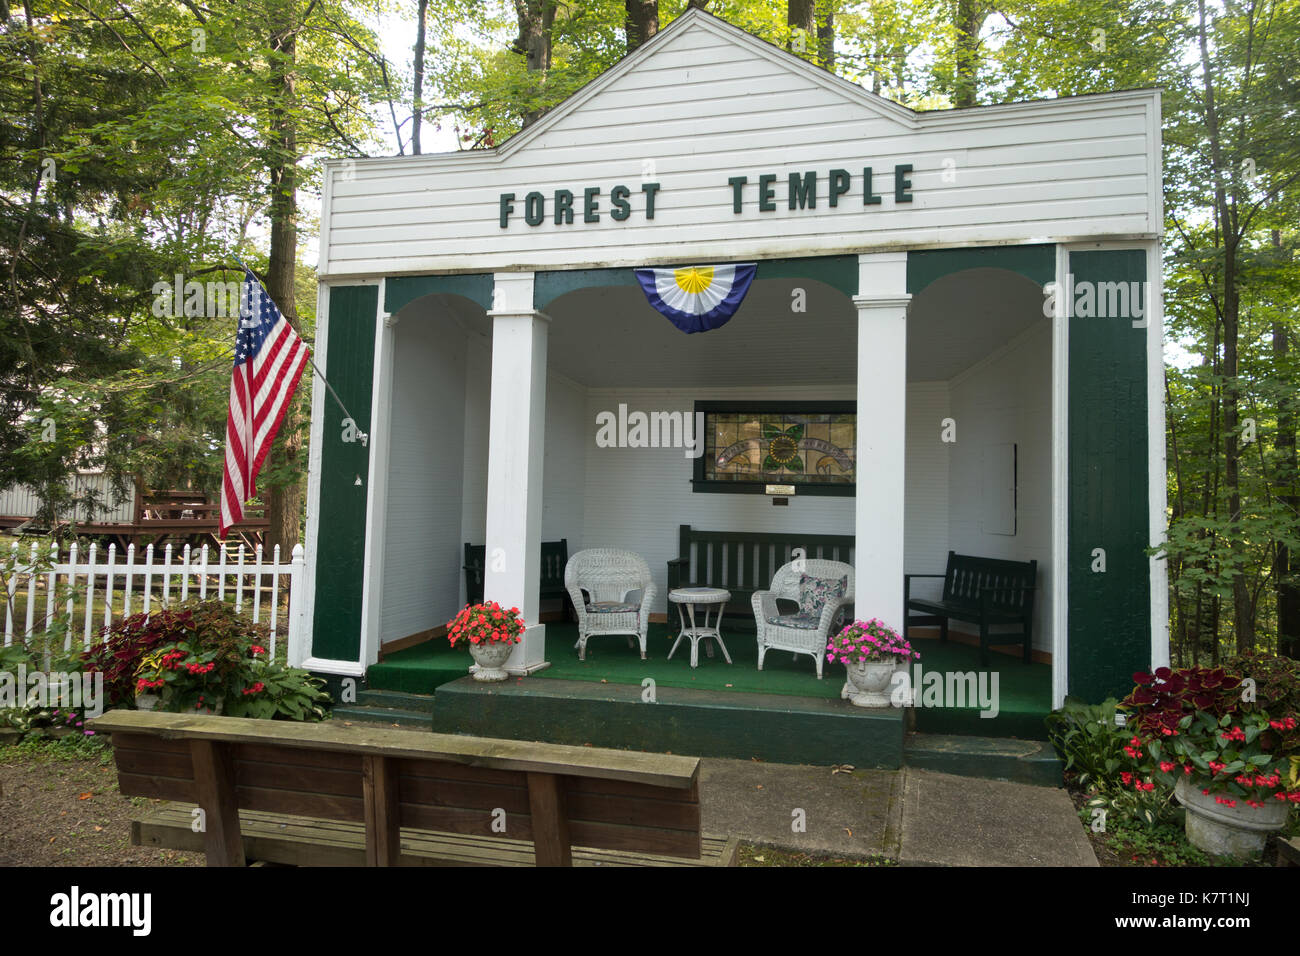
868	683
1239	831
146	701
489	658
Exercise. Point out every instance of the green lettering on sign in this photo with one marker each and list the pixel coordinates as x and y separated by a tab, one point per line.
737	184
618	199
563	207
868	197
901	183
840	180
650	189
804	192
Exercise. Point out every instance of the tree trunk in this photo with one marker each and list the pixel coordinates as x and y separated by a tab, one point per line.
284	502
642	21
1285	564
534	42
802	15
1243	614
826	38
417	100
971	15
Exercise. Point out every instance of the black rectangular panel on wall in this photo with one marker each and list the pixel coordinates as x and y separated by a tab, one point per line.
1110	610
344	473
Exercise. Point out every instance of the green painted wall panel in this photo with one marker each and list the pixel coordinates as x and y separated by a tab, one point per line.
549	286
1036	262
1110	612
341	545
403	290
839	272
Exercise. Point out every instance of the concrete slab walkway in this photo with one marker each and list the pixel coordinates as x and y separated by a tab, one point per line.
916	817
967	821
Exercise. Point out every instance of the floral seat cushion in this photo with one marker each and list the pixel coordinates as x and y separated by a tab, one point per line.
815	592
612	607
802	622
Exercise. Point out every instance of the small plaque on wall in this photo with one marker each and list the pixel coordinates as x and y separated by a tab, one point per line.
780	489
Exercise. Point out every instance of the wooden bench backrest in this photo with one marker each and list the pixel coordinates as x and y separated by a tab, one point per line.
746	560
967	576
555	555
555	795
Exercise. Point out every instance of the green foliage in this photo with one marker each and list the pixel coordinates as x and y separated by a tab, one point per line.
136	145
197	654
1162	844
70	748
1093	746
274	691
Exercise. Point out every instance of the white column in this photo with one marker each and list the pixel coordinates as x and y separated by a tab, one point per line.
516	433
882	407
381	426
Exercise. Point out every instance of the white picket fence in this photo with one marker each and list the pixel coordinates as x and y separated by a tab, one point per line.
160	584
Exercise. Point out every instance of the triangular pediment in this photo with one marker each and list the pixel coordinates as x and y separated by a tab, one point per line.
707	72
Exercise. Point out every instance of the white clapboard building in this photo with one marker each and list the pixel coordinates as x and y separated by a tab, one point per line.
974	294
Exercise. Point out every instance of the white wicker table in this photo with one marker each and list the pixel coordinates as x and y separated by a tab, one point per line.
709	599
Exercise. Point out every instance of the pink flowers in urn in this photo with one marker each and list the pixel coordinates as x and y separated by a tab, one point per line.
869	641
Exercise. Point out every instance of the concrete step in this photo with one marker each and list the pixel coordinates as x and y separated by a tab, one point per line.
396	700
383	715
993	758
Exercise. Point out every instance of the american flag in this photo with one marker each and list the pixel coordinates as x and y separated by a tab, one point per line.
269	359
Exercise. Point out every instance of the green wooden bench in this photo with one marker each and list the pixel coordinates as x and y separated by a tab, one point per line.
744	561
555	555
324	794
989	592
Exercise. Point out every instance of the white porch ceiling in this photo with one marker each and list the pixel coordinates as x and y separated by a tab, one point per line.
610	337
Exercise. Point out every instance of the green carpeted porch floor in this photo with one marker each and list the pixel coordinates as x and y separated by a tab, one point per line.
1024	690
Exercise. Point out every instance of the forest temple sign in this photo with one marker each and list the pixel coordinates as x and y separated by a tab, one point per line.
802	190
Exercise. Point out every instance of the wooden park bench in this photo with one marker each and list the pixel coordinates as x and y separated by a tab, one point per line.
1288	851
323	794
986	591
555	555
744	561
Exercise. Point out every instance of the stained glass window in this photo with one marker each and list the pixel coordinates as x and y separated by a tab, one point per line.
746	448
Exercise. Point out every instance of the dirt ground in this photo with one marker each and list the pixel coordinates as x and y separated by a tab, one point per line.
60	806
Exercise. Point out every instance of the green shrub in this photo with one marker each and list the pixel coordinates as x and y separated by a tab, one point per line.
1098	756
197	654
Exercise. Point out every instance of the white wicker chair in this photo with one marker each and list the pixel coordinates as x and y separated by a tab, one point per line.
804	639
609	576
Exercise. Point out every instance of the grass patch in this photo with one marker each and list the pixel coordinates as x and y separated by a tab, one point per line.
71	748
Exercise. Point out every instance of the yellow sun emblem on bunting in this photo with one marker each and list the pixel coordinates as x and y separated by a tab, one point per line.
693	280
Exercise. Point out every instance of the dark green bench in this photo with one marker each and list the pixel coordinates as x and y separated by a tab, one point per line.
555	555
744	561
989	592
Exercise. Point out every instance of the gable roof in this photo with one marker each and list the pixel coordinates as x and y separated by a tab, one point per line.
697	21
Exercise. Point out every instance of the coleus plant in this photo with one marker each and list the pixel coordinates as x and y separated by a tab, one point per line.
1199	723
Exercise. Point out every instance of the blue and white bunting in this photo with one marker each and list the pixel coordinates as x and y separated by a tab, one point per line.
697	298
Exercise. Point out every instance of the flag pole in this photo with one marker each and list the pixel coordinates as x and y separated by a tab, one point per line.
314	366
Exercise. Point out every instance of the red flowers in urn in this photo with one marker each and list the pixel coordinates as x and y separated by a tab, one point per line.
1202	731
491	631
487	623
